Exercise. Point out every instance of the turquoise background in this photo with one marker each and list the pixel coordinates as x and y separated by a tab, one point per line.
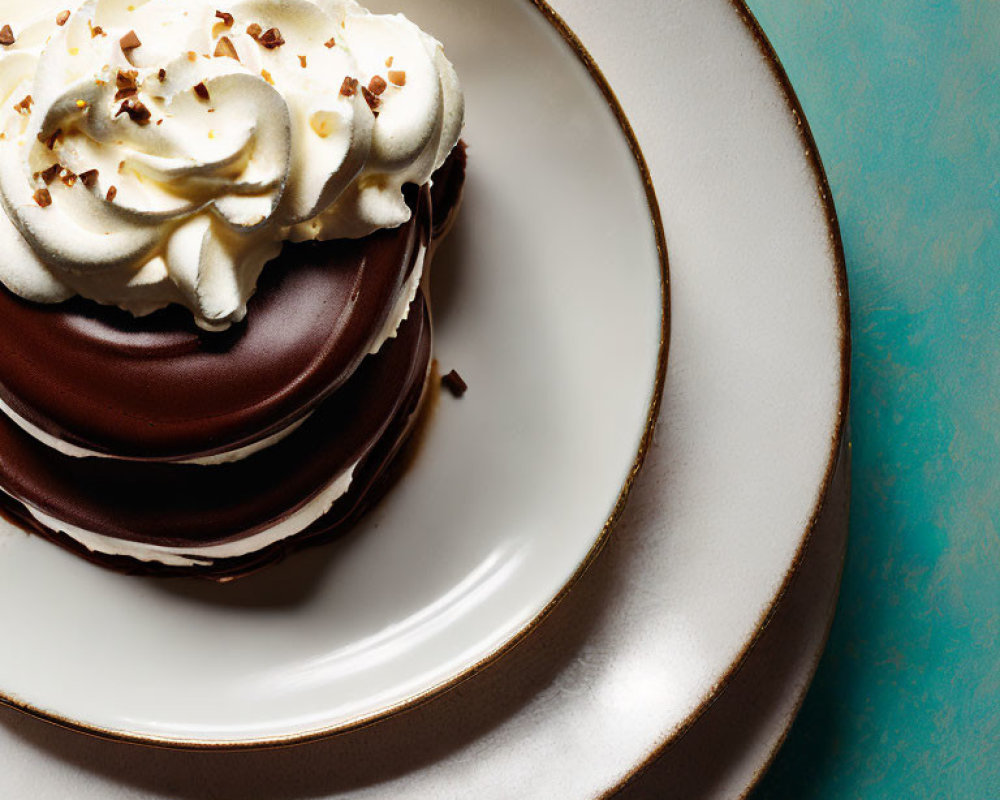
904	102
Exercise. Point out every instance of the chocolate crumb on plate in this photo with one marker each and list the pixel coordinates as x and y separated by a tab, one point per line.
162	75
453	383
89	178
201	90
7	37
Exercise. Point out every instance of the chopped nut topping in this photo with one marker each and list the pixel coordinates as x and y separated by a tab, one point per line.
136	111
201	90
6	36
254	30
302	61
50	140
130	41
371	99
267	76
331	42
126	83
271	38
225	48
388	61
69	177
24	107
377	85
397	77
453	383
112	193
192	55
50	174
162	75
62	17
43	198
349	87
227	19
89	178
97	30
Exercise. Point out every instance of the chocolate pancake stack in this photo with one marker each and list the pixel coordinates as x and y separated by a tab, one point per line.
149	445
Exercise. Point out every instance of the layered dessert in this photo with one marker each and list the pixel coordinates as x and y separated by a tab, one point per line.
218	223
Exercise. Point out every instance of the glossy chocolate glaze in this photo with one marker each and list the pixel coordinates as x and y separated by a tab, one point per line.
446	191
185	505
158	388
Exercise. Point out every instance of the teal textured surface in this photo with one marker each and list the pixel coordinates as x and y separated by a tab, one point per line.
904	102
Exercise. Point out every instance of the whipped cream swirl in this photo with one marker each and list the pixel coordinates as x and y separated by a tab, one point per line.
171	171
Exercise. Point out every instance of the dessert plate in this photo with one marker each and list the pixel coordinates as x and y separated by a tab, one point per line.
550	299
663	636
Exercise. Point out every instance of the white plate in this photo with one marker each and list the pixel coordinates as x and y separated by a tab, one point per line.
716	526
503	725
549	299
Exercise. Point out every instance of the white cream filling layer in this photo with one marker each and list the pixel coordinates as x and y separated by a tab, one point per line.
401	310
295	523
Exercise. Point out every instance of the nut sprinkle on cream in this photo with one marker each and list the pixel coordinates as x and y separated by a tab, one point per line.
227	131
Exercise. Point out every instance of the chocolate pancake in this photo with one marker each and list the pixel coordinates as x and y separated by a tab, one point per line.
160	389
362	407
191	506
